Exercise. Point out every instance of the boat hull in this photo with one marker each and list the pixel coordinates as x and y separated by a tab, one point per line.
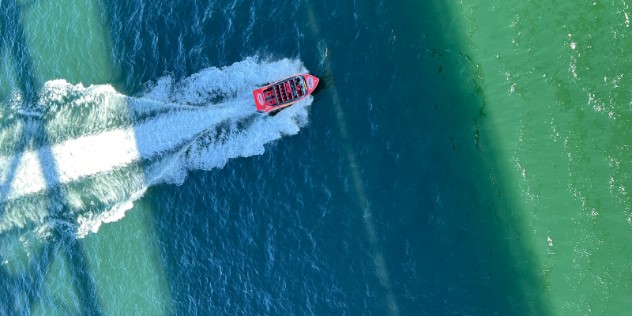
283	93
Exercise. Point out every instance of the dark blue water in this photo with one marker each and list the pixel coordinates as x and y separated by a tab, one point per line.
385	202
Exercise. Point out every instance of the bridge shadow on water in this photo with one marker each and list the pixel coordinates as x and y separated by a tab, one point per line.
21	290
443	222
461	229
414	108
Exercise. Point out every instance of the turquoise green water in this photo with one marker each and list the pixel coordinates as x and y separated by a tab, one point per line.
558	107
466	158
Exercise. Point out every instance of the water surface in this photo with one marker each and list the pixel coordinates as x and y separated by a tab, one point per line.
466	158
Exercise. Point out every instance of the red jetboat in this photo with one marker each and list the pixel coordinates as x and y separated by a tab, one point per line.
283	93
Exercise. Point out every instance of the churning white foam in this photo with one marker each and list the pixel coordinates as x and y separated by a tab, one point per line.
200	122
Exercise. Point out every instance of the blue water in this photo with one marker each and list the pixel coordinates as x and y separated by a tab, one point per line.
161	191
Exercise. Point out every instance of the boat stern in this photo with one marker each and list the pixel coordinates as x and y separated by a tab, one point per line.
259	99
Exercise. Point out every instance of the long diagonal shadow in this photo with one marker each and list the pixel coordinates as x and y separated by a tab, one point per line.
13	39
29	283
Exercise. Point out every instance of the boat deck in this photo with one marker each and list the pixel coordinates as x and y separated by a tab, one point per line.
285	91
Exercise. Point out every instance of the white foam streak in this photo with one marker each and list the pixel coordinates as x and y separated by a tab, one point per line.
94	154
156	138
71	160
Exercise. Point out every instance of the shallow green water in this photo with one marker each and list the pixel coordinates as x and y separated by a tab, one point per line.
558	110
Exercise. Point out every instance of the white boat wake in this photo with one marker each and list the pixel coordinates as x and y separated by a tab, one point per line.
88	153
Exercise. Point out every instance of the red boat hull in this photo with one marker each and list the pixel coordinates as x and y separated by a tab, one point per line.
284	93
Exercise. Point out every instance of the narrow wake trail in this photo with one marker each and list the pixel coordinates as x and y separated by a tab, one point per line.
86	154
